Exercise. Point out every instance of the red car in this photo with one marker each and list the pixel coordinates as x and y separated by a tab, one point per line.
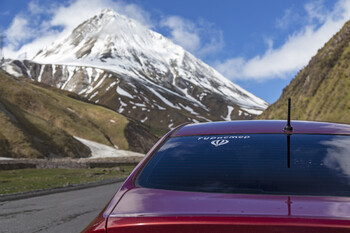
239	176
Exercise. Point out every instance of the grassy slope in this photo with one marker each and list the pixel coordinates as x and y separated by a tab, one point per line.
37	120
321	90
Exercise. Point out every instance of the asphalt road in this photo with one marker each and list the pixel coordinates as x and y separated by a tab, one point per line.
67	212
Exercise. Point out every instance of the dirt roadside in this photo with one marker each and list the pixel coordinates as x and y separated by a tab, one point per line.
69	163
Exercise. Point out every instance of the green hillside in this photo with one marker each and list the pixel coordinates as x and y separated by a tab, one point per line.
39	121
321	91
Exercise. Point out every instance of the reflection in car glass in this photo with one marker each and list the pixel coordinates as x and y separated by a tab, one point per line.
252	164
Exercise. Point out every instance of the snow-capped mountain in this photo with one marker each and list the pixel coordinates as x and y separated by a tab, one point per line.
115	61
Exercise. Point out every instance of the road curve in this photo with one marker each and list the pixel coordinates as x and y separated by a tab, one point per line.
61	212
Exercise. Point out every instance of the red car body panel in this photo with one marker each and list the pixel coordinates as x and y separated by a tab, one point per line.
143	202
135	209
209	224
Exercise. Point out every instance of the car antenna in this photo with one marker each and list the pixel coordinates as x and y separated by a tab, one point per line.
288	150
288	127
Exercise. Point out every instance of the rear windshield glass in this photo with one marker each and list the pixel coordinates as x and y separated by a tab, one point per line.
252	164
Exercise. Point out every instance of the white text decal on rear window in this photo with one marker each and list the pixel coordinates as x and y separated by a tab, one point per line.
205	138
219	142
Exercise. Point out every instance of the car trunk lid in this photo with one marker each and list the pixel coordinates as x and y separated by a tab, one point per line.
155	208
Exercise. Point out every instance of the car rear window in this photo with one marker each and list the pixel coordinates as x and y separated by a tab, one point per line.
252	164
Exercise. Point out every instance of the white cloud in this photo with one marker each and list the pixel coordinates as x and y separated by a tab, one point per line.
289	17
183	32
295	53
70	16
36	8
191	36
43	24
136	12
18	30
316	11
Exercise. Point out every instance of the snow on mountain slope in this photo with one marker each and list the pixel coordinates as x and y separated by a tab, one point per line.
115	61
99	150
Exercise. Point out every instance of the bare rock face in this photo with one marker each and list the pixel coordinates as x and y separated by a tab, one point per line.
116	62
138	138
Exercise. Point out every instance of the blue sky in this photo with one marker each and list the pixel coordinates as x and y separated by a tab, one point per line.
259	45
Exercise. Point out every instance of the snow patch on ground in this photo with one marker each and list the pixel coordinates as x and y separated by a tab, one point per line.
122	105
41	73
162	98
99	150
70	70
97	74
229	111
189	109
5	158
252	111
93	95
11	70
140	105
111	85
123	92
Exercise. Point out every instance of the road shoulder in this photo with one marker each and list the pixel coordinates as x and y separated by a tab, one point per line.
35	193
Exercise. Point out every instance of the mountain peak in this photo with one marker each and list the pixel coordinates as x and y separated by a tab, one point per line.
107	11
100	36
108	46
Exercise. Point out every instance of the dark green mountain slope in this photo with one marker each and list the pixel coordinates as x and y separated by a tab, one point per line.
321	91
